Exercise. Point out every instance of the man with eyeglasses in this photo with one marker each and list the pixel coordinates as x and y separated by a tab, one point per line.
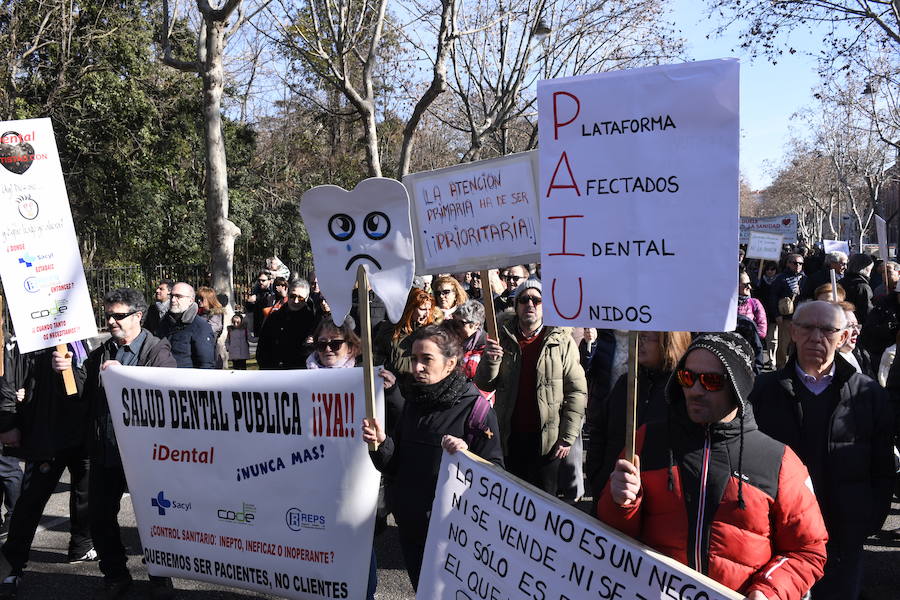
784	293
834	261
512	277
192	339
285	336
840	423
131	345
540	387
262	296
711	490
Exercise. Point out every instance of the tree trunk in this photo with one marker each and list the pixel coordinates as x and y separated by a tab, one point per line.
221	232
371	136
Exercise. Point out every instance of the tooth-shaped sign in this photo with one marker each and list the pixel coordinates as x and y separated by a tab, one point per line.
369	226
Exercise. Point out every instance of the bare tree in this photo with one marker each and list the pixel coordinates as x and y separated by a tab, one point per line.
505	46
216	25
341	44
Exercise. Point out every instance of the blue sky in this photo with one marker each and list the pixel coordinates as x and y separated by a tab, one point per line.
770	94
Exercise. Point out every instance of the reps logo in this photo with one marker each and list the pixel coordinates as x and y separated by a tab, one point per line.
163	504
296	520
245	516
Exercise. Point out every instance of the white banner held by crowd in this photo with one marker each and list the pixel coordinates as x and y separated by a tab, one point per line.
786	225
766	246
475	216
639	198
252	479
493	536
40	263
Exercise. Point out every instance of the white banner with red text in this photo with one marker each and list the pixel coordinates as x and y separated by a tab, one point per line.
40	262
493	536
639	198
252	479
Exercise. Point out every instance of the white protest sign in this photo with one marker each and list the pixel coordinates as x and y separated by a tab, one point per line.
475	216
764	245
836	246
786	225
493	536
369	226
639	198
881	232
259	480
40	263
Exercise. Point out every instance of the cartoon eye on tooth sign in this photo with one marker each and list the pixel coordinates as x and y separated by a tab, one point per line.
369	226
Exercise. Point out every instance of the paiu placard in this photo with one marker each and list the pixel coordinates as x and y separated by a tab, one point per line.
252	479
40	261
479	215
493	536
639	198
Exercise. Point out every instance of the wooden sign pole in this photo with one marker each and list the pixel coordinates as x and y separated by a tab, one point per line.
487	296
632	398
67	375
762	262
365	330
834	297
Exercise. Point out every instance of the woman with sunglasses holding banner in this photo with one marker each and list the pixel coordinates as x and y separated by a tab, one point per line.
712	491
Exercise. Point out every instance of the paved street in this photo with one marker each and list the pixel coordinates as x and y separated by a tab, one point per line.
51	578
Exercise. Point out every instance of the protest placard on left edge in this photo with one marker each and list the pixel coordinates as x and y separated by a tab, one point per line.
639	198
40	262
475	216
766	246
258	480
493	536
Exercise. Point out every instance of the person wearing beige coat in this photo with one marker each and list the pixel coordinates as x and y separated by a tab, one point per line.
541	391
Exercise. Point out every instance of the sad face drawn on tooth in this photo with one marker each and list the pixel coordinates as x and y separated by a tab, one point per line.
368	226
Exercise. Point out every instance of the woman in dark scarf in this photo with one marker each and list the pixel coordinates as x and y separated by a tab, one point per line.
437	403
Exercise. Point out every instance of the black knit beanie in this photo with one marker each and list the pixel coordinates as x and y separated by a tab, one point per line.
737	356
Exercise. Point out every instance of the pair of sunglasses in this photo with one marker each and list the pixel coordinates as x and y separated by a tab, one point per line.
527	299
333	345
711	382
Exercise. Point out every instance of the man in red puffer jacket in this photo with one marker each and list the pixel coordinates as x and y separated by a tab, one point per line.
714	492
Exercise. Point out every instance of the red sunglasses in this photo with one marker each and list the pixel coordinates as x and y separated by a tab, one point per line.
711	382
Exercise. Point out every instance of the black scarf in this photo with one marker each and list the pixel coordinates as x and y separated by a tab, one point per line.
443	394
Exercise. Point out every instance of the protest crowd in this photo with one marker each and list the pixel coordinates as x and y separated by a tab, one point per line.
764	457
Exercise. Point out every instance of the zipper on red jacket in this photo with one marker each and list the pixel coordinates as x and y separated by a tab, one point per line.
701	507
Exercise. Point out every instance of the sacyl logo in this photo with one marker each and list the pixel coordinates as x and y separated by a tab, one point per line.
162	504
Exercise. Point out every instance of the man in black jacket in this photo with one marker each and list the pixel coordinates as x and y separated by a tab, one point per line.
857	286
48	429
191	338
283	340
130	344
840	423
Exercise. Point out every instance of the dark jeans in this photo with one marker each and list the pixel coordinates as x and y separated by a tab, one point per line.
525	461
41	478
239	364
10	482
107	484
843	574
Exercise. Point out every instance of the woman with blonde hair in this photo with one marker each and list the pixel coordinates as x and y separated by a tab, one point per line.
212	310
448	294
658	353
392	346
